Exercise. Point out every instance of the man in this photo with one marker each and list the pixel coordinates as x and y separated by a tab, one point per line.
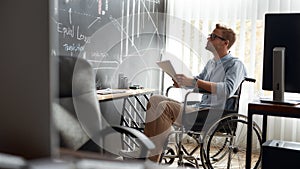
221	77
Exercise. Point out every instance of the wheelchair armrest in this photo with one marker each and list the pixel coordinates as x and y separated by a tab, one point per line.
147	144
195	90
168	89
248	79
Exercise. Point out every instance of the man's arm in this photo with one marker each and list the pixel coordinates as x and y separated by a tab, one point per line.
206	85
234	74
198	83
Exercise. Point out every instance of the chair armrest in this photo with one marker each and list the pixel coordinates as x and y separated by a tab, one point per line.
137	134
146	143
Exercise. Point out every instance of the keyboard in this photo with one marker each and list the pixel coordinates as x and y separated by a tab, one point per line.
110	91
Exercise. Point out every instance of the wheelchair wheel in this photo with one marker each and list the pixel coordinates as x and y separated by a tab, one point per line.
189	166
225	143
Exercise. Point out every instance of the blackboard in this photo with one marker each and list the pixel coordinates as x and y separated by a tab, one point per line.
111	34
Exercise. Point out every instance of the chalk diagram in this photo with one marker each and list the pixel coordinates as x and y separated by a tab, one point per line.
109	33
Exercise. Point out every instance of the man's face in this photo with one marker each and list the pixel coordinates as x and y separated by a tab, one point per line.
215	41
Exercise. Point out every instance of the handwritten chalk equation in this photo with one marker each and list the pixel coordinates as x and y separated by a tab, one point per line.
72	32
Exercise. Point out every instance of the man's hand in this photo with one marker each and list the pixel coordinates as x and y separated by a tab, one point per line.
183	80
175	84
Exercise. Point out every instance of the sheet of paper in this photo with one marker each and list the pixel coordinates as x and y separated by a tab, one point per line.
110	91
167	67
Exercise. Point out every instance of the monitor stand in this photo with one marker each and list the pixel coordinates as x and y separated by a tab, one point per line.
279	79
278	74
285	102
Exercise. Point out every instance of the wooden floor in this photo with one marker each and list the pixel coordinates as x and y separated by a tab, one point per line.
190	146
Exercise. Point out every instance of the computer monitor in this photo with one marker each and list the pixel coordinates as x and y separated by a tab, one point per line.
282	30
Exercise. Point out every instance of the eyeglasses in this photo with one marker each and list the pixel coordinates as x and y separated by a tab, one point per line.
213	36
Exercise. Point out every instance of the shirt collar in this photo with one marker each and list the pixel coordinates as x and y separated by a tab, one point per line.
223	59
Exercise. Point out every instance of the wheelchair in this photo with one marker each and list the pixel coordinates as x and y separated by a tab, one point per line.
221	145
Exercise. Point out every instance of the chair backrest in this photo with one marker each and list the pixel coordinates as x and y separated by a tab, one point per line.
77	113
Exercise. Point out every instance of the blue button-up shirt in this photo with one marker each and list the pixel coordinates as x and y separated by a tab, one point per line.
227	73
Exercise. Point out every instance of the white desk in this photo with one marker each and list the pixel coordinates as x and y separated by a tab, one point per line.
128	93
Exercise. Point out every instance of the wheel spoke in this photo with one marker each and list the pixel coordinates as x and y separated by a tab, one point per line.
234	152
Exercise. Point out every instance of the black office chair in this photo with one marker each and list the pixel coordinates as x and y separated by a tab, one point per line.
222	144
77	114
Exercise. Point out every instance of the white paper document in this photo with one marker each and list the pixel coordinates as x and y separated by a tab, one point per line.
110	91
167	67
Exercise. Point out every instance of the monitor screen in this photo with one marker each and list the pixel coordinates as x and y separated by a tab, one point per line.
282	30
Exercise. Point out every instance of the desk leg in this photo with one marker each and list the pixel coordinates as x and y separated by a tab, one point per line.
249	140
132	117
140	102
123	122
264	128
